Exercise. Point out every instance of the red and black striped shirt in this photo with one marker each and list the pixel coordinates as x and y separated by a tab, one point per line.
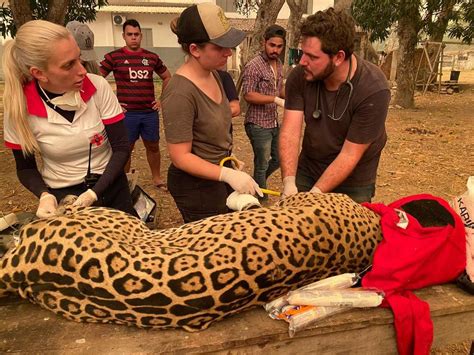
133	72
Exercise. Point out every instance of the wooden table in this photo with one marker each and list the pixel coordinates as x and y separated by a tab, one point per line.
28	328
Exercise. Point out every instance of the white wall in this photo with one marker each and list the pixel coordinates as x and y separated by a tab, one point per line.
109	35
322	4
103	30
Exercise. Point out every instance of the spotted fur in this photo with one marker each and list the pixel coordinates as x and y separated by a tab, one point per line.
101	265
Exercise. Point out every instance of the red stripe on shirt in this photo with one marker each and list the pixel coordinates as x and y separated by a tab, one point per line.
114	119
12	145
88	89
35	104
133	72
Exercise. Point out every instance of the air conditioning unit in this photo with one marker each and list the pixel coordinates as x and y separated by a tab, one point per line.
118	19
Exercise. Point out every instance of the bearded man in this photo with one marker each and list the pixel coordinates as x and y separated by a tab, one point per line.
263	89
343	99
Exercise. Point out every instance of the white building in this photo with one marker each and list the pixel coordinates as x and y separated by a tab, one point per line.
154	18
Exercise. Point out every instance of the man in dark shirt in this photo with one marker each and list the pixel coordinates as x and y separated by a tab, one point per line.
343	100
133	69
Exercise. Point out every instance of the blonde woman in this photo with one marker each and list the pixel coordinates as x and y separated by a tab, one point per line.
72	119
197	116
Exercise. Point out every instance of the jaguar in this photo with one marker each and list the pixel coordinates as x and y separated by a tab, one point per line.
101	265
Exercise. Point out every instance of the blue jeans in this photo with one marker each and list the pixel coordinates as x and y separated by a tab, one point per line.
265	149
305	181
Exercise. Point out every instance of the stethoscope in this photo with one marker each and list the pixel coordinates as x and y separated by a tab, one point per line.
317	111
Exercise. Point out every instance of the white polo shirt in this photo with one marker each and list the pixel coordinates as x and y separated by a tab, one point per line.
64	145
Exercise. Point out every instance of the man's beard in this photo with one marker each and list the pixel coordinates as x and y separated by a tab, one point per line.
273	55
328	70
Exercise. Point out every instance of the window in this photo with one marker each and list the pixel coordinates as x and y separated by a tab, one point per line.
147	38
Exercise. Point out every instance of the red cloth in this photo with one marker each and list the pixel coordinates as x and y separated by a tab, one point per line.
410	258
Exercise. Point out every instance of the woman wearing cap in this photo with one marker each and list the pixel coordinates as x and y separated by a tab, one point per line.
197	116
85	41
72	119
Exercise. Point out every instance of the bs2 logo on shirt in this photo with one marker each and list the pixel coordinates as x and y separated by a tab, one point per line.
138	74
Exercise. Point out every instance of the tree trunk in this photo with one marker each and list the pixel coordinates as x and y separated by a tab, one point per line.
57	11
21	12
407	31
297	9
266	15
439	29
442	20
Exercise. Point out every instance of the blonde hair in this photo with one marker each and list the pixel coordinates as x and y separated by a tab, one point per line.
32	47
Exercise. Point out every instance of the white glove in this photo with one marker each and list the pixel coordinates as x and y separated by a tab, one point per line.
279	101
47	206
316	190
86	199
289	186
240	181
240	202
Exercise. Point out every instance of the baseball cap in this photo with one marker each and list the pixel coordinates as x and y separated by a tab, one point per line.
84	38
206	22
274	31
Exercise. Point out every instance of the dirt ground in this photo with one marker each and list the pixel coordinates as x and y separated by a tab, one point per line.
430	149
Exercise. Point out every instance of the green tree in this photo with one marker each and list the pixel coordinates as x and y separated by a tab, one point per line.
18	12
414	19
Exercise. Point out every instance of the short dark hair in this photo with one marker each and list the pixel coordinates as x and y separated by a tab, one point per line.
335	30
274	31
131	22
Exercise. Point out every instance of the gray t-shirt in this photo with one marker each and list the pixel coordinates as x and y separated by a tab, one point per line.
189	115
363	122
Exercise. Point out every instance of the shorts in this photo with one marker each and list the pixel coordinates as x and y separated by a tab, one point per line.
143	124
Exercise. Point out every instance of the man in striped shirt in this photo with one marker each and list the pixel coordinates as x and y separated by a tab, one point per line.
133	69
263	89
